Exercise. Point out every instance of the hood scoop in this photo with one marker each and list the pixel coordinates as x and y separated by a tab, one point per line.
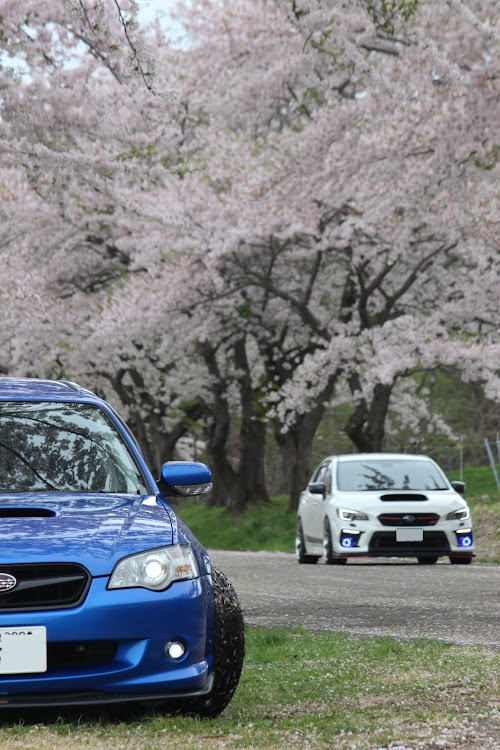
403	497
26	513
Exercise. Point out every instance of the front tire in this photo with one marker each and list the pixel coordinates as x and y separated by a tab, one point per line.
429	560
460	560
328	547
300	548
228	651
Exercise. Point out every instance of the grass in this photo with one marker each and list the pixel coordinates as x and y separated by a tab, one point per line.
486	519
267	527
308	691
272	528
480	482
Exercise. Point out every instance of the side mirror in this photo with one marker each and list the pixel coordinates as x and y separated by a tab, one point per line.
458	487
317	488
185	478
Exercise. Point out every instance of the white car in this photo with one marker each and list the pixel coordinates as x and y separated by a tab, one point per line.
382	505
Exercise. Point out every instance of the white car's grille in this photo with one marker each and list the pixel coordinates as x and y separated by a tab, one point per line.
408	519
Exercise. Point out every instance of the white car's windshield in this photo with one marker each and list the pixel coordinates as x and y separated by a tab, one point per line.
63	447
389	474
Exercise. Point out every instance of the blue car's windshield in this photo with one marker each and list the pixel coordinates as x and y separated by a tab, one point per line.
63	447
389	474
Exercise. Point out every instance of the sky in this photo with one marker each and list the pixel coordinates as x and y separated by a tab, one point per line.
150	8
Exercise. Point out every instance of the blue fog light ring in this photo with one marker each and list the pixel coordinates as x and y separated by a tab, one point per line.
464	537
349	538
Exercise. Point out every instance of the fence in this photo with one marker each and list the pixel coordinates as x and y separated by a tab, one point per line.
453	457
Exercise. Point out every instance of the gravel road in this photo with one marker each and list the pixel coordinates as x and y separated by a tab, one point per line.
454	603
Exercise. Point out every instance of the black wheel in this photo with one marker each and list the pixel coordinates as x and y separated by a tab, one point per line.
429	560
328	547
460	560
300	548
228	651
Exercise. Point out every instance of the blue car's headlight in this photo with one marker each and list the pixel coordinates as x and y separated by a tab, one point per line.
155	569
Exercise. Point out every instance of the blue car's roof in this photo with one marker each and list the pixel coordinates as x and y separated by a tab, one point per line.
50	390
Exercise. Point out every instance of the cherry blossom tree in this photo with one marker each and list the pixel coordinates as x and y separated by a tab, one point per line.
300	209
362	229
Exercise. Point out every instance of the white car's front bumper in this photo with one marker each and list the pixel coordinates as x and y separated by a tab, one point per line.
446	538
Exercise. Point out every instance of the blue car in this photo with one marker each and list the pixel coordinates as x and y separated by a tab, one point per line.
105	595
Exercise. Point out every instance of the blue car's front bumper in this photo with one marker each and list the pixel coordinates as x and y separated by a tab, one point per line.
111	647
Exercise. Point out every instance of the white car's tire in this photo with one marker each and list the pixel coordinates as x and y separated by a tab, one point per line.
429	560
300	548
328	547
460	560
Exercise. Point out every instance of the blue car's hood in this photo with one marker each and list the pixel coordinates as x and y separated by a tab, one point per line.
94	530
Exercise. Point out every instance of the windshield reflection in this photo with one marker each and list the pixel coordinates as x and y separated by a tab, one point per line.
63	447
391	474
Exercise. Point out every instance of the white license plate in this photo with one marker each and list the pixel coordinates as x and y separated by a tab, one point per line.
23	650
409	535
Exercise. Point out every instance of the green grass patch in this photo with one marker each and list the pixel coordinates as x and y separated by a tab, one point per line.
267	527
480	481
484	500
486	519
303	690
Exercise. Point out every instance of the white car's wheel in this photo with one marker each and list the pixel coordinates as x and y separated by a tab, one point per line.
328	547
300	548
460	560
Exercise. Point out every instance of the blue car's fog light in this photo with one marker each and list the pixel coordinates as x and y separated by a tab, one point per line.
349	538
175	649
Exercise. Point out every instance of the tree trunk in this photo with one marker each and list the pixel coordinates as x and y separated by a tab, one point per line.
296	455
251	481
157	445
252	439
366	425
296	446
224	477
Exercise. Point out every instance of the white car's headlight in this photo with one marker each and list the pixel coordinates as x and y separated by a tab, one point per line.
155	569
351	515
458	515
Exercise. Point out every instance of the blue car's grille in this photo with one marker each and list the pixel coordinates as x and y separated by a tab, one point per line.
48	586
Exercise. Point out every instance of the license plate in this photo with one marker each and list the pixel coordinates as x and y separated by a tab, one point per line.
409	535
23	650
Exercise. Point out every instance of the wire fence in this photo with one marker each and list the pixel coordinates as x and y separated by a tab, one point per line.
456	457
